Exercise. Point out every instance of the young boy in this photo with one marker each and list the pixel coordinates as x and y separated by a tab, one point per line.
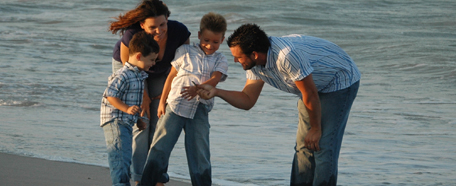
120	106
193	64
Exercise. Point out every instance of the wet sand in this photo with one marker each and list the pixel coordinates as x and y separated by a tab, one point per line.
29	171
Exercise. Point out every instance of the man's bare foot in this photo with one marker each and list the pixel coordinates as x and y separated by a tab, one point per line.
136	183
160	184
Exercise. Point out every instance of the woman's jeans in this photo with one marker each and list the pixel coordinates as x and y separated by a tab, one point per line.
320	167
167	133
116	65
118	137
142	139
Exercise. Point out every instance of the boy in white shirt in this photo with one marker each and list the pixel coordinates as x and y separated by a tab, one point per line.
193	64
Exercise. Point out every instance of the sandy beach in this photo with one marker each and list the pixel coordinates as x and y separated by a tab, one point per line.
29	171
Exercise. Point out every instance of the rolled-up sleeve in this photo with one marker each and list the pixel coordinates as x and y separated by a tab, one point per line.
116	87
222	67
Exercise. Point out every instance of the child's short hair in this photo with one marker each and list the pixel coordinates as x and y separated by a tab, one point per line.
143	43
213	22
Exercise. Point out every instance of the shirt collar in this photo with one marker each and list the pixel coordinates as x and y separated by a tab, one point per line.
136	70
198	46
131	67
269	59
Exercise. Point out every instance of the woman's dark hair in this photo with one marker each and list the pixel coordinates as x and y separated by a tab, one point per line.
144	10
249	37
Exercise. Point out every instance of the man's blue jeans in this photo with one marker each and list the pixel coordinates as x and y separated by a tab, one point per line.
169	127
320	167
118	137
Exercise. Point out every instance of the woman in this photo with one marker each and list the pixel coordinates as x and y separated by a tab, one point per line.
152	17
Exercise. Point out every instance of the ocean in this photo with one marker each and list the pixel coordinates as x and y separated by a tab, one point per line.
56	58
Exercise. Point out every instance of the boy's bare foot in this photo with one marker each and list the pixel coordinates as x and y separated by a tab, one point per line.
160	184
136	183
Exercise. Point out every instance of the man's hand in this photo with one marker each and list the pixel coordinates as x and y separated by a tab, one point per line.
312	139
206	91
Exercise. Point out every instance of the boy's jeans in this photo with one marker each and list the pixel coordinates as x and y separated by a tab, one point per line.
320	167
167	133
118	137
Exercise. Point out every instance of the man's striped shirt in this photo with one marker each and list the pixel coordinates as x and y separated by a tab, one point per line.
292	58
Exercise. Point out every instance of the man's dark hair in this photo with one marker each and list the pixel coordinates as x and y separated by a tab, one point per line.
249	37
143	43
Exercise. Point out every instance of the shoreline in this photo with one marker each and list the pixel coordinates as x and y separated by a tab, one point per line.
25	171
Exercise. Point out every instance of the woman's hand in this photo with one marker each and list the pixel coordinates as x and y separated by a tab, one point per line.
145	106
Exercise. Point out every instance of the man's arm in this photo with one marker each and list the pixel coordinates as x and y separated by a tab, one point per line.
242	100
312	102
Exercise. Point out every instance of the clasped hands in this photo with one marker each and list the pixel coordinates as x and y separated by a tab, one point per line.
205	91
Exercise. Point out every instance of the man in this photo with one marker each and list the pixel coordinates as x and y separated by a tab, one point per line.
318	71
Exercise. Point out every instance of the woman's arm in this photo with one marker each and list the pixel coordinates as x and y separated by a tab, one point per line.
124	53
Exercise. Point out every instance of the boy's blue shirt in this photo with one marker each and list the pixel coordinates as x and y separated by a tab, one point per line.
127	84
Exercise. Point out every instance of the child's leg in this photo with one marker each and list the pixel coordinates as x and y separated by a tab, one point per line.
167	133
143	139
118	137
197	147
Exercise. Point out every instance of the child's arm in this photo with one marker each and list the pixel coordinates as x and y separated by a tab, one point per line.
119	104
215	79
166	89
190	92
